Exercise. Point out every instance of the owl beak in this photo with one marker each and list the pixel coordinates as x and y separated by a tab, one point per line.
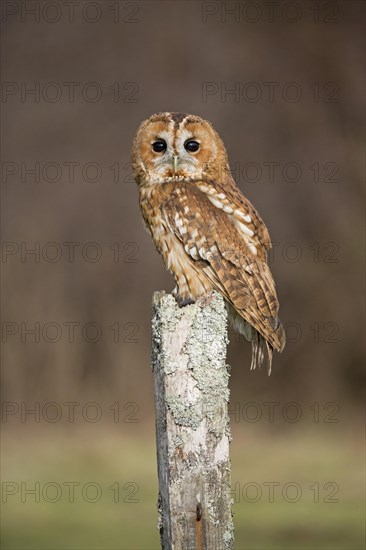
175	163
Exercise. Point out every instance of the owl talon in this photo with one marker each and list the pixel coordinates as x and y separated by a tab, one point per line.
205	300
182	302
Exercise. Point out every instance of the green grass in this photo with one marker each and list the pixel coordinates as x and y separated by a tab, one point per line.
104	458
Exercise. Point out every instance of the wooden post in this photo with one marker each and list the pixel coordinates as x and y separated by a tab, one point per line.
192	424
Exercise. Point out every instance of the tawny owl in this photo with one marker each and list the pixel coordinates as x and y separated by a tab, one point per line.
209	235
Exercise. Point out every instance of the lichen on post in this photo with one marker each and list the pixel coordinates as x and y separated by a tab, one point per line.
192	424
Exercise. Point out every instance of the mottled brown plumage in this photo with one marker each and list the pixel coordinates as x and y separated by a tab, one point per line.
209	235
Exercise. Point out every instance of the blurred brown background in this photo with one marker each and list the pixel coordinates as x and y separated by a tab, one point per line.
283	83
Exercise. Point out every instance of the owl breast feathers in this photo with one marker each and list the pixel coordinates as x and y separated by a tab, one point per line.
209	235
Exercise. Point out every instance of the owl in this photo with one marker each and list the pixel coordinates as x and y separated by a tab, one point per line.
209	235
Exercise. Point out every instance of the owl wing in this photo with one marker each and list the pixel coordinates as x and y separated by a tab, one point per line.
229	243
228	197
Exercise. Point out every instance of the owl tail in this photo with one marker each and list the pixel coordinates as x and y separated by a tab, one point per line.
262	352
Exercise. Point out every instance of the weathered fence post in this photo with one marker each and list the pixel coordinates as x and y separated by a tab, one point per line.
192	424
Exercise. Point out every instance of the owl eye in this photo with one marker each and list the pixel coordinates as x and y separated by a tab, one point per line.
159	146
191	145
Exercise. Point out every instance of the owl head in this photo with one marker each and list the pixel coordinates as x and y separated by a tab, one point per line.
178	146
